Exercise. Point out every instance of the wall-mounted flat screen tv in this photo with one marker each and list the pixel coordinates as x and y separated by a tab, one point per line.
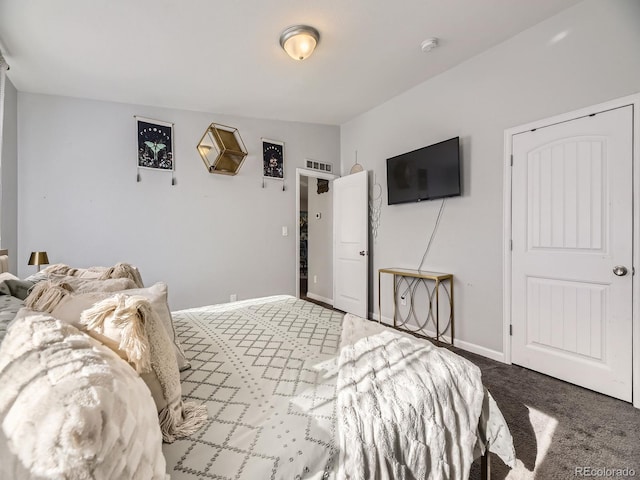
425	174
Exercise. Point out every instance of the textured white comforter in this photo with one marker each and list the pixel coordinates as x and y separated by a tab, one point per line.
406	409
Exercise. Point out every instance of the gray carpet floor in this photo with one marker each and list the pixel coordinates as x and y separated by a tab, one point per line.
558	427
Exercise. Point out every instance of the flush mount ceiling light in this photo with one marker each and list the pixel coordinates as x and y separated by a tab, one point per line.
299	41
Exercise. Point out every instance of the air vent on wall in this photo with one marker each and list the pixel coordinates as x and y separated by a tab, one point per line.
320	166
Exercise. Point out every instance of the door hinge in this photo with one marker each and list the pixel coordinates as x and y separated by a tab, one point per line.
512	159
511	330
511	245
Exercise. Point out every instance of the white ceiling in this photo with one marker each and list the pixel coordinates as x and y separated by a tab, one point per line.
224	56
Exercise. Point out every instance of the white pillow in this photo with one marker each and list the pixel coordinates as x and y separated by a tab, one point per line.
7	276
70	408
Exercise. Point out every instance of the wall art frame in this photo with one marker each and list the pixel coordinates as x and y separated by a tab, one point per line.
272	160
155	144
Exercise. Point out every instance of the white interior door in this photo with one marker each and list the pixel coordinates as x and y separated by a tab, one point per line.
351	243
572	226
309	174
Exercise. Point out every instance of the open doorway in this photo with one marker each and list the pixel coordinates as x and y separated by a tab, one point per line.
314	236
304	235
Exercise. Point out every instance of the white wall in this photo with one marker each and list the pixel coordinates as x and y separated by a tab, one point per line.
208	236
9	170
584	55
320	244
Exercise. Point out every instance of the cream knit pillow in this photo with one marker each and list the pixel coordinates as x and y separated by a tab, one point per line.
70	408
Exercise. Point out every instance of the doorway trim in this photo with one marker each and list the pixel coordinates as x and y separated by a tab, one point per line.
634	101
300	172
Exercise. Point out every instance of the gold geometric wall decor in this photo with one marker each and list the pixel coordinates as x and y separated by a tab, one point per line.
222	149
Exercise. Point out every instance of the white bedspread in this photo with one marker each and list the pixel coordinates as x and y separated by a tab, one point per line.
268	371
406	409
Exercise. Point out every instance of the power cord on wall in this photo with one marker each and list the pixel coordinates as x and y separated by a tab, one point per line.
426	251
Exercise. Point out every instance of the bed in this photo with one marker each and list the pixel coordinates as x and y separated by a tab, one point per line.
268	370
294	390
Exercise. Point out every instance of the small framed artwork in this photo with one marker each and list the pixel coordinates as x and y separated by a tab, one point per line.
155	144
273	159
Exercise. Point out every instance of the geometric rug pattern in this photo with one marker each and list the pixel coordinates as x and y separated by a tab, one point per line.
266	370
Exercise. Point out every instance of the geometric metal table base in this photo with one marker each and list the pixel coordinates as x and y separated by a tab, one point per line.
408	288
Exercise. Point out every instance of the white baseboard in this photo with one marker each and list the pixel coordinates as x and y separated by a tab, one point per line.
483	351
318	298
461	344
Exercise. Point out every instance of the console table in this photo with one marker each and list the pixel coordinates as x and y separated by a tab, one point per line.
413	279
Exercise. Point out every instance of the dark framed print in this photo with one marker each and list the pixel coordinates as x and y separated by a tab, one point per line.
155	144
273	159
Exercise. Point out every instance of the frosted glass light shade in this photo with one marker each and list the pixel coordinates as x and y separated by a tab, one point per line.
299	41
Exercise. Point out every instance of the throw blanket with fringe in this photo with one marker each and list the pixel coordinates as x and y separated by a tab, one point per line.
45	295
119	270
406	409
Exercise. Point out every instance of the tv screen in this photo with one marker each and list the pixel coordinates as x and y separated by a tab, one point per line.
425	174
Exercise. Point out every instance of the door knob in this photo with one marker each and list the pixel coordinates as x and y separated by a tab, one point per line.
363	253
620	270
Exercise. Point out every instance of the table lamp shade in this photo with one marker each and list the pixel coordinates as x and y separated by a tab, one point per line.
38	258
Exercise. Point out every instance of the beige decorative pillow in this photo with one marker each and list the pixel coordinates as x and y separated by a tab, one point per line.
70	308
134	331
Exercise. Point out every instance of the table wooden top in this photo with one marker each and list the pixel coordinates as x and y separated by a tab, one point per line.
407	272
